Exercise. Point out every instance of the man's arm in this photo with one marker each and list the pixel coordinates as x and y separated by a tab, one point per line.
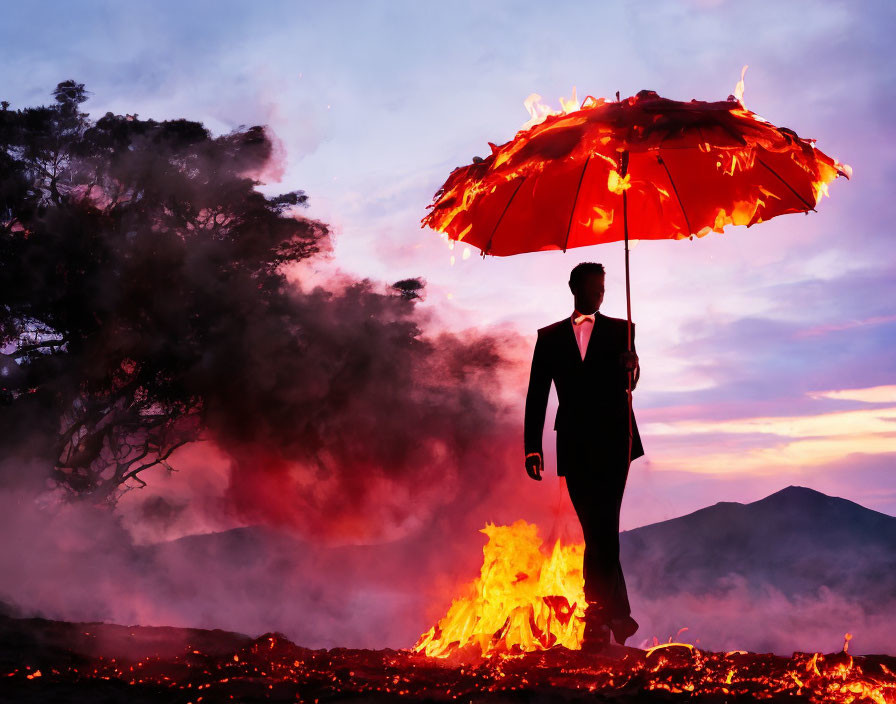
536	408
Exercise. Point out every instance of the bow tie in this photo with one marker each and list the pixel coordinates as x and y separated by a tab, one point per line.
579	319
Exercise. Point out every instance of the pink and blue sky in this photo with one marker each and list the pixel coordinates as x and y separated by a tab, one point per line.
767	354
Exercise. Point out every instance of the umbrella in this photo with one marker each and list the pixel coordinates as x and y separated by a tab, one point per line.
644	167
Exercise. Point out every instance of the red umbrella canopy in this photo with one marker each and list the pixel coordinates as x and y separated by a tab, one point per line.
688	168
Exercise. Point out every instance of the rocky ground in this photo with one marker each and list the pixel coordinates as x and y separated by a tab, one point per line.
43	660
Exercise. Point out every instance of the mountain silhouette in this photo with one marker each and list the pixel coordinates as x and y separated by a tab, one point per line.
797	540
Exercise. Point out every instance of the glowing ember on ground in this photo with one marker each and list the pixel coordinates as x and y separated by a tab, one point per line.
274	669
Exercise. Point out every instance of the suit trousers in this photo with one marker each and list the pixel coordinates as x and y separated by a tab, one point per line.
595	479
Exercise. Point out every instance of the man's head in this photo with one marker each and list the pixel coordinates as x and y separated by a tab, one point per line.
586	281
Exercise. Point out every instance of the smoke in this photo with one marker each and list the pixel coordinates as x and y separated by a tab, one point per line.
73	561
415	451
76	562
361	460
739	614
347	444
178	314
364	428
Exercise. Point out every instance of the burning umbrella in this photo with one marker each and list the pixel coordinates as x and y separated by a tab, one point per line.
643	168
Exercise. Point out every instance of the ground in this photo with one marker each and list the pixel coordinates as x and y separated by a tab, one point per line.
43	660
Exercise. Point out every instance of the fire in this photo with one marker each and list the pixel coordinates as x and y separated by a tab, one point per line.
739	88
601	219
617	184
693	168
522	601
539	112
525	603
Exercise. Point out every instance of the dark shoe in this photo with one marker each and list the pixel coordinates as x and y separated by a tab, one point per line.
596	638
623	628
597	633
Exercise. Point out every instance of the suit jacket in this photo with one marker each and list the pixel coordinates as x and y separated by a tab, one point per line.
593	404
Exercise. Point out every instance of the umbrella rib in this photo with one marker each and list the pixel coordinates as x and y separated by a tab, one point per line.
675	190
488	246
792	189
575	202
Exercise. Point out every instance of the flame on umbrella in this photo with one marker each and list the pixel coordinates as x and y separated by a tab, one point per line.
539	111
695	167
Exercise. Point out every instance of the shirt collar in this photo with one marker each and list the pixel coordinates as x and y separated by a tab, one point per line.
578	318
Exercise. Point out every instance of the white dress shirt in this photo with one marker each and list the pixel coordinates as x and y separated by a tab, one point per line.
582	331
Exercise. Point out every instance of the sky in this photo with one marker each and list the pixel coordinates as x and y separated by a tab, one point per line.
767	353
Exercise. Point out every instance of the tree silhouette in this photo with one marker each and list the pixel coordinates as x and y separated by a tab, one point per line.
123	243
144	304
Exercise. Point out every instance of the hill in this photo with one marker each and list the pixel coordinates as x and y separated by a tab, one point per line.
797	540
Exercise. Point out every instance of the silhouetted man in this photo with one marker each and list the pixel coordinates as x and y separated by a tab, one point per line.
586	357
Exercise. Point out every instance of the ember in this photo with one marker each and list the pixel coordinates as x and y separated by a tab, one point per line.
274	669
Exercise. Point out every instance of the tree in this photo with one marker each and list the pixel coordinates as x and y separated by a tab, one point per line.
122	243
144	304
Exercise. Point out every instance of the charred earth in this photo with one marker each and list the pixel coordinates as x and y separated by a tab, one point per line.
43	660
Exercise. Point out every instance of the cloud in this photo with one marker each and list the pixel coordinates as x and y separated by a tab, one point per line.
875	394
836	327
829	425
747	358
768	443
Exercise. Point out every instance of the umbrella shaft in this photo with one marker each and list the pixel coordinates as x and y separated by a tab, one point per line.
628	307
628	294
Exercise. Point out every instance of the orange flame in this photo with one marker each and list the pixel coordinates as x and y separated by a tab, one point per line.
523	600
539	111
739	87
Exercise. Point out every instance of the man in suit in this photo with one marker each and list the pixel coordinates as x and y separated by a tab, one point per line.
586	356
